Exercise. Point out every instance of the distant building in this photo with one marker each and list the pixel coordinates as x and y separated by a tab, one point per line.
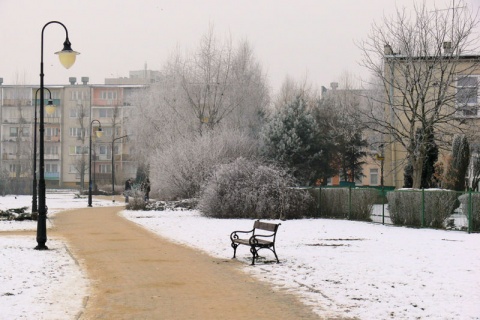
67	132
144	76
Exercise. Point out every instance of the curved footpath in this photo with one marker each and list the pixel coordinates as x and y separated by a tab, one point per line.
138	275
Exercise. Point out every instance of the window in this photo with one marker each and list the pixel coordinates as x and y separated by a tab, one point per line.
77	150
51	149
105	168
103	150
52	132
77	112
50	167
467	96
374	177
76	132
109	95
72	169
105	112
78	95
13	132
26	132
12	167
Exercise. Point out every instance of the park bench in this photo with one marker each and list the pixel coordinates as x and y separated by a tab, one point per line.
262	236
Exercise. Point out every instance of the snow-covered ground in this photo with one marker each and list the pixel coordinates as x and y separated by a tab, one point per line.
40	284
339	268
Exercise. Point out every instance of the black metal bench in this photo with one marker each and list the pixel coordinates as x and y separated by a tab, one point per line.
262	236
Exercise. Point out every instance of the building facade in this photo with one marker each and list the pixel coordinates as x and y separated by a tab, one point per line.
80	110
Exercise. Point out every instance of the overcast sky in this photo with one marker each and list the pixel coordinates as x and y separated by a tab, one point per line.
300	38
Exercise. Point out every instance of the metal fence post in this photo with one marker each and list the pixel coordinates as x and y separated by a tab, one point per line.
470	211
349	202
423	208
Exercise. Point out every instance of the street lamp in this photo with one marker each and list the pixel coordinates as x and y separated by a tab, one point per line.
113	166
99	134
67	58
50	109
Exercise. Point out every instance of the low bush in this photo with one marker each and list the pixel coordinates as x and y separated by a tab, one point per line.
345	203
136	200
405	207
252	189
18	214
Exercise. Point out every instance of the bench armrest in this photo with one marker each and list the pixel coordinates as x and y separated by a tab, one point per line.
254	239
234	234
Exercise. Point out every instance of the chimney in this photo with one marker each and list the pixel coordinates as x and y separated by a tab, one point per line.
72	80
387	50
85	80
334	85
447	47
1	81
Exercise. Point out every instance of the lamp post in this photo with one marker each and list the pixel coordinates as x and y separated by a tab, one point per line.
34	184
99	133
113	166
67	58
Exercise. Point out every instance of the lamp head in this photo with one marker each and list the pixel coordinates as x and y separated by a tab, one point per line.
50	107
67	56
99	132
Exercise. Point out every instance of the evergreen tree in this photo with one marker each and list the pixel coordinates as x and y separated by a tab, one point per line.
292	137
426	139
351	154
431	158
459	163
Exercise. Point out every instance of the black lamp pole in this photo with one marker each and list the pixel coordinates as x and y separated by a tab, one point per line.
90	161
34	184
113	166
67	58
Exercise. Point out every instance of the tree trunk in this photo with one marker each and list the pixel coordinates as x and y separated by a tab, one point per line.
417	164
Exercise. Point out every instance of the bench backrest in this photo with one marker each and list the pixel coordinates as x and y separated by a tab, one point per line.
266	226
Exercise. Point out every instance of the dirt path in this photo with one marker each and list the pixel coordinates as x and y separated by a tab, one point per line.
138	275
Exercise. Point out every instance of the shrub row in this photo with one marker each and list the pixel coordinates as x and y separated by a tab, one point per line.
406	207
344	203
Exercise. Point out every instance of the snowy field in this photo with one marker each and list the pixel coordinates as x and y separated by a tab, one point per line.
339	268
43	285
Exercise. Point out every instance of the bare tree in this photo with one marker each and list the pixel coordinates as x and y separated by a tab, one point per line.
418	59
81	163
217	86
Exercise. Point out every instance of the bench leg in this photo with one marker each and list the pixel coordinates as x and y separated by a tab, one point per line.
234	246
253	250
275	253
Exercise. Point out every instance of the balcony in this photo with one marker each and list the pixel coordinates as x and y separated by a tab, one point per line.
17	102
107	102
52	138
52	175
51	157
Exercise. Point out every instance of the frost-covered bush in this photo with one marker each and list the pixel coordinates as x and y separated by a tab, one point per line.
345	203
179	171
475	218
405	207
251	189
136	200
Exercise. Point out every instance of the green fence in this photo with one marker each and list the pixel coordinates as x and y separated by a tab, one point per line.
424	208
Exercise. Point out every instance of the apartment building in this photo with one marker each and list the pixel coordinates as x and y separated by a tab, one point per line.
440	91
81	109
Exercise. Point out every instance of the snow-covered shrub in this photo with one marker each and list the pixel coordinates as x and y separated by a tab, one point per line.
345	203
362	201
475	218
179	171
405	207
136	200
251	189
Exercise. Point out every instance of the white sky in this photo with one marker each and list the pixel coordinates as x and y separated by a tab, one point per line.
305	38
